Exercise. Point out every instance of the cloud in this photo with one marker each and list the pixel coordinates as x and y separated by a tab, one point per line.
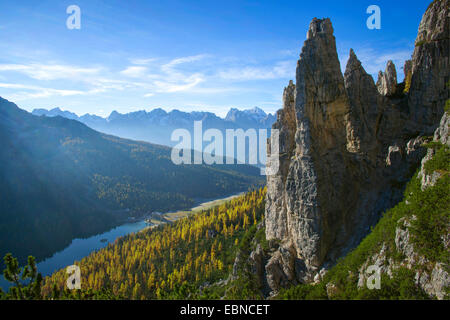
180	85
134	72
190	74
168	67
142	61
50	72
166	78
174	80
282	69
30	91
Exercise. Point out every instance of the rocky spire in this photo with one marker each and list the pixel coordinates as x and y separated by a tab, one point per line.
430	67
387	81
319	27
363	93
353	63
344	142
321	110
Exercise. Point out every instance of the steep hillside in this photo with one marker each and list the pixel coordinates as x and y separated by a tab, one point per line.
60	179
175	261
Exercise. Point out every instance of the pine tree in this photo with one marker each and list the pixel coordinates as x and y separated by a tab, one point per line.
12	273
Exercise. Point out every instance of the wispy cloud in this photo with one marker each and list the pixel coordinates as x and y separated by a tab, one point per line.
134	71
146	77
168	67
165	78
142	61
29	91
179	84
174	80
50	72
281	69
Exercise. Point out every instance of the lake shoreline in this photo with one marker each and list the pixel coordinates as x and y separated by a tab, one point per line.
83	247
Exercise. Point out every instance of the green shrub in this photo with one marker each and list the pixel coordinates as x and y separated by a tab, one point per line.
441	159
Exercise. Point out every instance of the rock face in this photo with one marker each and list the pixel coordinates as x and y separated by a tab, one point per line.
430	65
347	147
432	277
440	135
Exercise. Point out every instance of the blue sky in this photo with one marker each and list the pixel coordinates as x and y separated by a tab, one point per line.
189	55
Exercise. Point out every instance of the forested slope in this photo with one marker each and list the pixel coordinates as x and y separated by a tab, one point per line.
173	260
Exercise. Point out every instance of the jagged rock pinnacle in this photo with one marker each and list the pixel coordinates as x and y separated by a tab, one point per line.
319	26
336	131
353	63
387	81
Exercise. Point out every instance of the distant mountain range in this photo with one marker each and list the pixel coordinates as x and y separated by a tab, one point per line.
157	125
60	179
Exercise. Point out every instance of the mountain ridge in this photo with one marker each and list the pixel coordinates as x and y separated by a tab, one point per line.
157	125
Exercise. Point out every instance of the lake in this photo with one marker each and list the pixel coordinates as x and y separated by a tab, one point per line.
80	248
